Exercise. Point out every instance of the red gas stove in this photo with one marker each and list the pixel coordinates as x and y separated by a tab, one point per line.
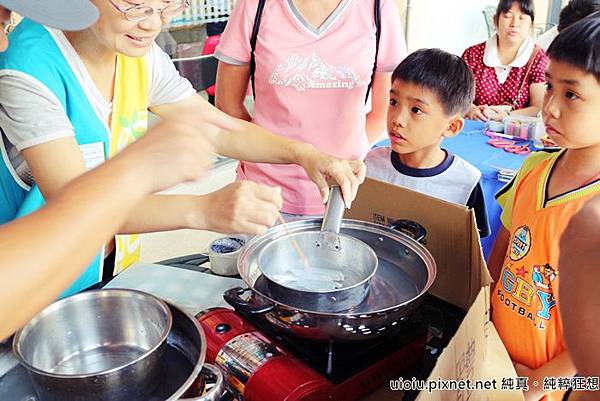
263	365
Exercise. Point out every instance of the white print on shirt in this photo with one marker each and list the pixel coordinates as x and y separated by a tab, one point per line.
311	72
93	154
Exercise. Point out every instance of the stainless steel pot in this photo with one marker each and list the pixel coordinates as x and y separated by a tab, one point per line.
406	271
93	345
335	278
320	270
184	359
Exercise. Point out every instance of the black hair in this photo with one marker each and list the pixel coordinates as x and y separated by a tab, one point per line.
579	45
575	11
447	75
505	5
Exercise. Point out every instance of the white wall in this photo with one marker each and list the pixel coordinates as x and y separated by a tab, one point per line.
452	25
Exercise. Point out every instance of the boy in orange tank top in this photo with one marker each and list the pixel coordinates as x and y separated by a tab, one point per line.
537	205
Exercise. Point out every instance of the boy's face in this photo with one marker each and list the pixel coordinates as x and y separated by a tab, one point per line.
415	119
571	106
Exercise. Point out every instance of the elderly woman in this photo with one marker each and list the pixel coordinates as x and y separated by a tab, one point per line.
70	100
509	68
170	153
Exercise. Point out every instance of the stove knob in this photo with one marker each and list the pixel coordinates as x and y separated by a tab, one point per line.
222	328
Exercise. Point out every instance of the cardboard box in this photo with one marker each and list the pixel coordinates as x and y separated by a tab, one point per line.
462	279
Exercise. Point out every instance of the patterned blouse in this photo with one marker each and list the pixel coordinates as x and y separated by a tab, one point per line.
489	91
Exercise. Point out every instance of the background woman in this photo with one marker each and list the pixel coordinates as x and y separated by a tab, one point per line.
508	68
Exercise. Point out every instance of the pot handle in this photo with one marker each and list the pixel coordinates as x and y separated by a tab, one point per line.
233	298
412	229
216	391
334	211
188	262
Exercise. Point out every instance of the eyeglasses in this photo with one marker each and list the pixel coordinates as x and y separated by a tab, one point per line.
142	12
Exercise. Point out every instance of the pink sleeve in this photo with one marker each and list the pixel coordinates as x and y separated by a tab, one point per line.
392	45
234	44
538	70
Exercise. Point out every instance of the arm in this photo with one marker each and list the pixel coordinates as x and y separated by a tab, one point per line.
536	97
496	258
232	82
40	243
240	207
579	277
55	163
476	113
43	274
561	366
242	140
583	396
254	207
380	98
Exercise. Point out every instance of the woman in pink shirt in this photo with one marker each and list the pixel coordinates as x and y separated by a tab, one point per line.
315	61
509	68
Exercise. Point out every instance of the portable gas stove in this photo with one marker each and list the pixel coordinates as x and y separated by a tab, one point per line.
264	365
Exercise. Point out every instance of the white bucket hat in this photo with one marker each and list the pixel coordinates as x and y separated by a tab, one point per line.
67	15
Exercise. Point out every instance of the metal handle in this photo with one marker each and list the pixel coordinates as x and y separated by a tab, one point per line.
412	229
233	298
211	374
334	211
188	262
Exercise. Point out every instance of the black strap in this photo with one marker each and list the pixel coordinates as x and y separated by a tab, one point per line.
377	17
256	27
528	66
108	269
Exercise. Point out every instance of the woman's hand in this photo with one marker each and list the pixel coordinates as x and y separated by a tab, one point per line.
485	113
321	168
476	113
497	113
241	207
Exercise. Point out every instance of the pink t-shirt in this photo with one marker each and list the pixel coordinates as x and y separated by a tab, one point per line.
311	82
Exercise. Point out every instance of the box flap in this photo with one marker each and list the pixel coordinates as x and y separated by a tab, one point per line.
463	358
452	236
498	366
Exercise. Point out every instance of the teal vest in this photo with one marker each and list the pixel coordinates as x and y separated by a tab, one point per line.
33	51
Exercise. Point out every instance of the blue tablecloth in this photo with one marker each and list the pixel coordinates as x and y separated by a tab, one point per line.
471	145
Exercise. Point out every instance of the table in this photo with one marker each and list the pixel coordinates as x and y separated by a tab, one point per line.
471	145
